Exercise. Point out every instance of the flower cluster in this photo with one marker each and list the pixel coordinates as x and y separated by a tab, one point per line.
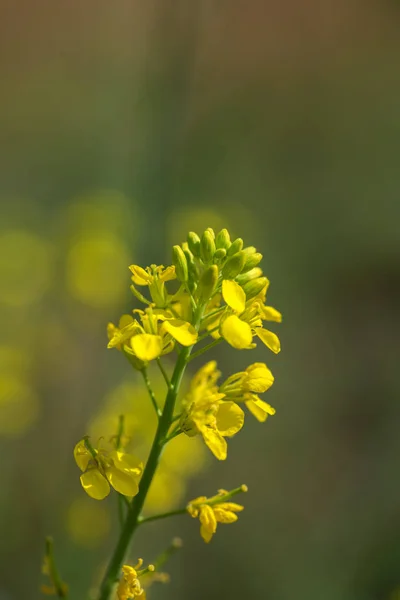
130	586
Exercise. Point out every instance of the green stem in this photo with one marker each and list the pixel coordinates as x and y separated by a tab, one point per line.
164	372
172	513
208	347
60	587
151	393
132	518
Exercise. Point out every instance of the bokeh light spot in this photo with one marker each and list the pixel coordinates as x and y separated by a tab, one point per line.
88	522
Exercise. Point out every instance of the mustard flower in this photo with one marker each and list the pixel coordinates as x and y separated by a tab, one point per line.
155	278
129	585
207	414
211	511
244	387
101	468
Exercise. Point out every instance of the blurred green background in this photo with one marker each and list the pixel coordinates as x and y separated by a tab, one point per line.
122	126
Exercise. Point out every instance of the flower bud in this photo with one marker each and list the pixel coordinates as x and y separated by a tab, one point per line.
223	239
207	246
207	283
193	241
249	275
236	246
219	255
192	268
180	263
211	230
252	261
254	287
249	249
233	265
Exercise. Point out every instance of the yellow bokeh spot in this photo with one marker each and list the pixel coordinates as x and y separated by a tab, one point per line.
88	522
96	269
19	406
25	267
166	492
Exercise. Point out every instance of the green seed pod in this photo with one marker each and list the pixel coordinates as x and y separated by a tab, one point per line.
180	262
254	287
233	266
207	283
219	255
236	246
207	247
223	239
249	275
252	261
193	241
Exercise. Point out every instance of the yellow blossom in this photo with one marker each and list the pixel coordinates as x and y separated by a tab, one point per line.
208	414
129	585
244	387
101	468
155	278
211	511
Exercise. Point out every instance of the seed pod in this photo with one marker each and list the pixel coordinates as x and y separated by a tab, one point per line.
233	266
223	239
207	283
180	262
193	241
249	275
219	255
207	247
236	246
254	287
252	261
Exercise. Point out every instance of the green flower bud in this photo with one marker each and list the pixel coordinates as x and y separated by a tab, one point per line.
180	262
249	249
252	261
233	265
207	247
219	255
254	287
207	283
236	246
211	230
193	241
223	239
249	275
192	268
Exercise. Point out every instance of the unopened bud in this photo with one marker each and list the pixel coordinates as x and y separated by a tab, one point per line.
249	249
223	239
180	262
249	275
207	283
252	261
236	246
254	287
219	255
193	241
207	247
192	268
233	265
211	230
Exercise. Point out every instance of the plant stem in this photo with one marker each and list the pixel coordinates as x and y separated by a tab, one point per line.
151	393
202	350
172	513
132	518
164	372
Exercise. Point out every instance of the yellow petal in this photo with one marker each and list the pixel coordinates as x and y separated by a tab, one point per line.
269	339
167	274
231	506
147	346
260	409
94	484
259	378
182	331
269	313
122	335
82	455
140	276
234	295
215	442
127	462
123	482
208	522
236	332
224	516
230	418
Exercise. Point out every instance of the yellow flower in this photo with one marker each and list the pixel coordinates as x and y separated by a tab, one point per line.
208	414
156	335
101	469
130	585
211	511
244	387
155	278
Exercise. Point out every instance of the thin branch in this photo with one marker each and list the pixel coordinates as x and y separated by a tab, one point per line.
202	350
151	393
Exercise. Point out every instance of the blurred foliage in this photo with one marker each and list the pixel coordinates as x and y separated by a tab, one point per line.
122	128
